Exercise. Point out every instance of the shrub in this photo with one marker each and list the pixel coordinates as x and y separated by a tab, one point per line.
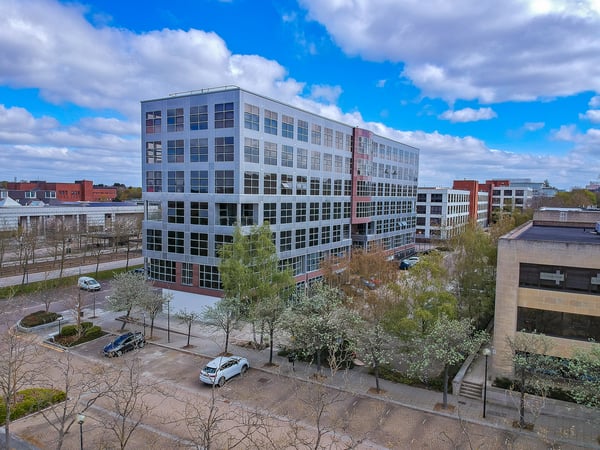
93	332
69	330
86	325
31	400
39	318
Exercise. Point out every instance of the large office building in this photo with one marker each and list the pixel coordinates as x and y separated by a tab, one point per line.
548	281
442	213
27	192
220	157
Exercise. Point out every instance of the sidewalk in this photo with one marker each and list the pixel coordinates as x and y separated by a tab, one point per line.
565	423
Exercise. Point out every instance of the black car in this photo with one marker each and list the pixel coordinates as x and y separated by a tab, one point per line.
124	343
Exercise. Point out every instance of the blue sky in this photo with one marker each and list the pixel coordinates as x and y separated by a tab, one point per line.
484	91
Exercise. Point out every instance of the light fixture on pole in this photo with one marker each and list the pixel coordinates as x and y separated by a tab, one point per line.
168	320
80	420
486	352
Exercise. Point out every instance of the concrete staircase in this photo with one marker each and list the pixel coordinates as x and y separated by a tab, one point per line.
470	389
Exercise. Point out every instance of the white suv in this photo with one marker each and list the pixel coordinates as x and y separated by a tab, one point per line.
88	284
221	369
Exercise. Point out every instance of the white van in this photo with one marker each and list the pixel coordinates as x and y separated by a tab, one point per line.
88	284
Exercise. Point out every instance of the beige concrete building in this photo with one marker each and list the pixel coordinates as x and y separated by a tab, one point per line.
548	280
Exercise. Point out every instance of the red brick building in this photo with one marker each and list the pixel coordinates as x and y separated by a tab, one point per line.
79	191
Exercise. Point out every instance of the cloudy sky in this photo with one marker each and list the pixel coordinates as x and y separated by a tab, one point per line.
486	90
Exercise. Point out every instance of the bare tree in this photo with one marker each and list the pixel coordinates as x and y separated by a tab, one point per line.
128	395
59	237
27	245
18	370
130	290
188	318
153	304
82	387
225	315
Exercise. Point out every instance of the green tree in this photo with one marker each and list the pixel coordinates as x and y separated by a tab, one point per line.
226	314
130	290
319	323
447	343
531	363
584	367
474	270
373	346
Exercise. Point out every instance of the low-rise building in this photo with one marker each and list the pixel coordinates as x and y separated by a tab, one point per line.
442	213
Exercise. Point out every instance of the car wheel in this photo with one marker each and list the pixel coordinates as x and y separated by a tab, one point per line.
244	369
221	381
141	344
113	355
119	352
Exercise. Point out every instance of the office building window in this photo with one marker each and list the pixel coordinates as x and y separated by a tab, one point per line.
270	184
421	209
153	152
270	154
301	238
337	210
328	162
559	324
315	160
175	119
224	148
286	213
302	131
187	274
328	137
250	182
227	213
327	186
337	187
325	235
175	151
337	233
251	150
348	187
302	158
270	122
287	156
314	211
248	214
301	212
436	209
436	198
175	243
153	121
287	184
339	140
315	186
208	277
153	211
175	212
313	237
224	115
175	181
153	181
287	126
315	134
199	117
285	241
199	181
162	270
301	185
347	210
339	164
422	198
224	182
220	241
270	213
199	150
251	117
326	211
199	213
154	240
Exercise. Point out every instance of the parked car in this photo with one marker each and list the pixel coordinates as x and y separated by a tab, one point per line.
88	284
125	343
222	368
407	263
139	270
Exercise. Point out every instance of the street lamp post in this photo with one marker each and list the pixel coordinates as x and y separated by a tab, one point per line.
144	315
486	353
59	321
80	420
169	321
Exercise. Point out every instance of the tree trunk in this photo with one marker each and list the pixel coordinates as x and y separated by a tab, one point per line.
376	373
271	333
522	401
445	386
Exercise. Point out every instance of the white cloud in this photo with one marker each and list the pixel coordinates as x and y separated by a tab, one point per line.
469	49
380	83
469	115
533	126
593	115
595	102
326	94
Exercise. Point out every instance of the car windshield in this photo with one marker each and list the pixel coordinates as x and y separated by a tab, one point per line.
210	369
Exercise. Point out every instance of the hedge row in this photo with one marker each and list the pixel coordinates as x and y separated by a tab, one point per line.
30	401
39	318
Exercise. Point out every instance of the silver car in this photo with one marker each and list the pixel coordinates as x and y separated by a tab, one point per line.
222	368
